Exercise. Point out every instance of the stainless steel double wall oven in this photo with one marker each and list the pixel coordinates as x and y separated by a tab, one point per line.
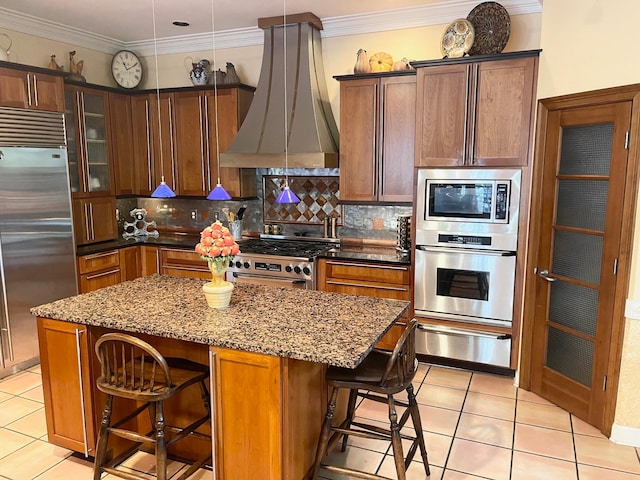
465	261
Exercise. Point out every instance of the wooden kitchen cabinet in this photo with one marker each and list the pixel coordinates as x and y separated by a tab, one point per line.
195	133
475	113
121	143
154	141
371	280
282	413
87	123
149	260
98	270
183	263
65	361
377	135
32	90
94	219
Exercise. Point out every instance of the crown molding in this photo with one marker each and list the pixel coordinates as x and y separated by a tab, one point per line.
20	22
381	21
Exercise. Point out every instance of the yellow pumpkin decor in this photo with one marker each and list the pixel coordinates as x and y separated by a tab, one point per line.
381	62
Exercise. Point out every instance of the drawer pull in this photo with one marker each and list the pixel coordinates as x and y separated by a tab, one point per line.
361	285
385	267
100	255
102	274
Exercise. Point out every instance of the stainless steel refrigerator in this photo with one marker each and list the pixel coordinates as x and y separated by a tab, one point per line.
37	250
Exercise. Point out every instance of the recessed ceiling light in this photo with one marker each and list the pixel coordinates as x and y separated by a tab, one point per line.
181	24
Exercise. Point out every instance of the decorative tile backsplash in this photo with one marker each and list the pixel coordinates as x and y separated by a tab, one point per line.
318	190
319	197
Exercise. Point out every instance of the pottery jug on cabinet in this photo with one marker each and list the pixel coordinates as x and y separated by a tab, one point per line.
198	73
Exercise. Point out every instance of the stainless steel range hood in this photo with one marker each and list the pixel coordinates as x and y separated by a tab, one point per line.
312	131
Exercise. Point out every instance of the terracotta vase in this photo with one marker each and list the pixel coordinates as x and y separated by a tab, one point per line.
218	291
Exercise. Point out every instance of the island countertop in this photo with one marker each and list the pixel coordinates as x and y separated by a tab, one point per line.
306	325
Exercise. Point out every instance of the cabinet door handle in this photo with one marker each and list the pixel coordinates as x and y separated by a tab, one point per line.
148	132
471	155
29	89
173	160
93	231
87	229
212	406
102	274
203	125
81	381
98	255
35	89
362	285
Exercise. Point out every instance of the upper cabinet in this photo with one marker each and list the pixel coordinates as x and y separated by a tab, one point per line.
29	89
475	112
87	119
121	132
153	141
196	143
377	135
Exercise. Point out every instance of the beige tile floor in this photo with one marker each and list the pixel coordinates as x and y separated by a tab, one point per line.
477	426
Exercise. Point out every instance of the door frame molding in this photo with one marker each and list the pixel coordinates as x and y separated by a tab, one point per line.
629	93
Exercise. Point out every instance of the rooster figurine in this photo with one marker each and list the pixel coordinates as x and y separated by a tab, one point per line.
75	68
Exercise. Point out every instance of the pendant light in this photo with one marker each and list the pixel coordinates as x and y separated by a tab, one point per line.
218	192
163	190
286	195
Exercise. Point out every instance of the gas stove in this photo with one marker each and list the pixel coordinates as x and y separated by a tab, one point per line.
278	261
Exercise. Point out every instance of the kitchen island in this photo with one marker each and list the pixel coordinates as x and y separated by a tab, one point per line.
267	352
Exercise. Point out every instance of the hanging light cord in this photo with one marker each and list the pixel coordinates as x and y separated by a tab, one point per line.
155	49
286	123
215	86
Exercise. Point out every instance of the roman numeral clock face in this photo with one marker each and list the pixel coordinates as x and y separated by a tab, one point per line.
126	69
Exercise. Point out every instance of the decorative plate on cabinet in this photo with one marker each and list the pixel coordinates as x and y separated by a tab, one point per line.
492	26
457	38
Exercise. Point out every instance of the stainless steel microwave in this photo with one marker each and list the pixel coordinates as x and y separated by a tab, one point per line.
468	200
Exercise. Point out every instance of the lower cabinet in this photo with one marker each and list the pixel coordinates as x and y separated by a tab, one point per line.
149	260
65	359
371	280
274	428
183	263
99	270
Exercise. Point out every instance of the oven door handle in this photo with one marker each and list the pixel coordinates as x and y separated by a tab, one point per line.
494	253
258	280
462	332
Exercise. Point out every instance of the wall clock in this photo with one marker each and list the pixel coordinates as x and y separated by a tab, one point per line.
126	69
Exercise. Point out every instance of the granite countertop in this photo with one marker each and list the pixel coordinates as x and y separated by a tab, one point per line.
164	240
306	325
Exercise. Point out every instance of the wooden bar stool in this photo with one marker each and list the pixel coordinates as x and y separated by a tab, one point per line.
379	376
133	369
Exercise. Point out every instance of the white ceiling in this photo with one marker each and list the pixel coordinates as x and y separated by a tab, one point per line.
108	25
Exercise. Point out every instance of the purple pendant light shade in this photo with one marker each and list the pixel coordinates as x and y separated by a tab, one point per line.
163	190
286	195
218	193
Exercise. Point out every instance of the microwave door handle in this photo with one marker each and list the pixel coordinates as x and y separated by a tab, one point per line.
495	253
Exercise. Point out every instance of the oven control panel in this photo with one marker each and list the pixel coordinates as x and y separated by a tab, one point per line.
272	267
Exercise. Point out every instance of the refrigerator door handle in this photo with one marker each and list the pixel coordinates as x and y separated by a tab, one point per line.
4	321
